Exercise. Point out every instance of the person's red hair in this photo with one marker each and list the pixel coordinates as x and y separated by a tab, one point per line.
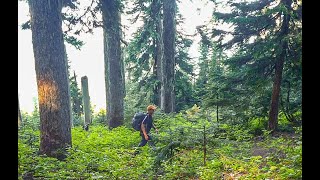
151	107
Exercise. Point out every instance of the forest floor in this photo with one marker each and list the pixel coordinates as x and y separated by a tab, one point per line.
103	154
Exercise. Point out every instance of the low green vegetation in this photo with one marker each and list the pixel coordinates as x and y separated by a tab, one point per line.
191	145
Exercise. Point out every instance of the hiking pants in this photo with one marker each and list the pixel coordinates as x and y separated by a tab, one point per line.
144	141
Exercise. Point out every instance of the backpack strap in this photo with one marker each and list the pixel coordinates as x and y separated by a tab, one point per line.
144	119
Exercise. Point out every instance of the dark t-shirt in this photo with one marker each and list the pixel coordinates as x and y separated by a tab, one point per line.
148	123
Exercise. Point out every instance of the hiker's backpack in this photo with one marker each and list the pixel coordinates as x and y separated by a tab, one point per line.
137	120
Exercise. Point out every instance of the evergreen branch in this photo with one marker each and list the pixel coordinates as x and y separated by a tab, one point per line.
135	19
143	80
240	36
124	42
248	33
75	21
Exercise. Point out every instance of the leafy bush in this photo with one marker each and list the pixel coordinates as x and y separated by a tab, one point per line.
229	152
283	123
98	152
100	117
31	120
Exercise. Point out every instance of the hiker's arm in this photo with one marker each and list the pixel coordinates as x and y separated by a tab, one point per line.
155	128
143	128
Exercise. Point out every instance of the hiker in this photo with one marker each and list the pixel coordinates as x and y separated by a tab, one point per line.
146	126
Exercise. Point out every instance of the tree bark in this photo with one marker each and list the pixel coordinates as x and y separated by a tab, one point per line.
52	77
274	107
168	61
68	74
159	52
217	108
86	100
112	49
77	100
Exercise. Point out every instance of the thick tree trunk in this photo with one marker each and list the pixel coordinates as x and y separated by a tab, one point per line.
158	54
122	53
168	63
274	107
52	76
19	114
114	77
66	59
106	72
86	100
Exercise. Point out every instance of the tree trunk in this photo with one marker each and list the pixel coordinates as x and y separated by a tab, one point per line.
86	100
274	107
217	109
77	100
68	74
19	114
112	49
122	58
168	62
106	72
158	54
204	145
52	77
